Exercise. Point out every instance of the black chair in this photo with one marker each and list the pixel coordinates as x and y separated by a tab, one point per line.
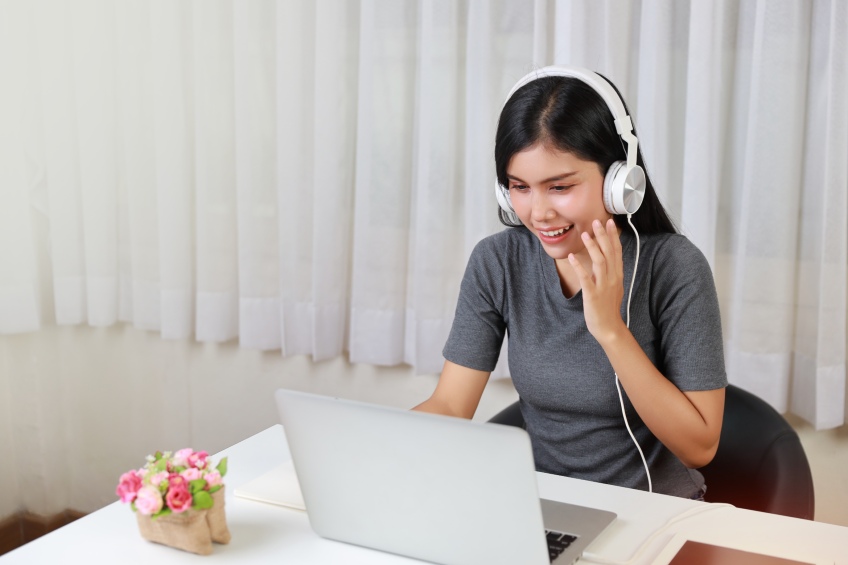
760	463
509	416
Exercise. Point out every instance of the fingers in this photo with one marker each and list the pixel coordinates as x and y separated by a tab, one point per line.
604	250
582	274
607	237
599	266
612	234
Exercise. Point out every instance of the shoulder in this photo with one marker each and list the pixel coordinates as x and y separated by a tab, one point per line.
509	243
500	260
678	275
507	237
675	254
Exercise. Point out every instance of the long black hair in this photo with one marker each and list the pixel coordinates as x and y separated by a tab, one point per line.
567	114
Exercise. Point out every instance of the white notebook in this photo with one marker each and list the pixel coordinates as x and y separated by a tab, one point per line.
278	486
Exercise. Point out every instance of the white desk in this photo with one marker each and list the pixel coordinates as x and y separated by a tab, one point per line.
263	533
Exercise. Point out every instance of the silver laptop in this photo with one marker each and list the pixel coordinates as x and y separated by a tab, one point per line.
436	488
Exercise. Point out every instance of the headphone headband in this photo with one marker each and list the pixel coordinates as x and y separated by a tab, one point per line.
623	123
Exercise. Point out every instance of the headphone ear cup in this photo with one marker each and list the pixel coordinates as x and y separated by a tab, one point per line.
624	188
505	203
609	183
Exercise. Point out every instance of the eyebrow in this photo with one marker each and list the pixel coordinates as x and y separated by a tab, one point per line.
547	180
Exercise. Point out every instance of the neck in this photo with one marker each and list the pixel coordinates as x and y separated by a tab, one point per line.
568	280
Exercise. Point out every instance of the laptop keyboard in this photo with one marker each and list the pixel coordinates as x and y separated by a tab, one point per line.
557	542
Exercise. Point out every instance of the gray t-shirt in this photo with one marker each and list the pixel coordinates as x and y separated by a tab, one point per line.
565	382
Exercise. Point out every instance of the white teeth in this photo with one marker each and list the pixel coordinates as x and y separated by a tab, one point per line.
555	233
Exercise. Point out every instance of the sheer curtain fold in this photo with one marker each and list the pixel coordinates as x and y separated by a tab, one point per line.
93	50
173	154
708	80
437	172
256	174
819	348
216	237
484	92
760	323
334	123
381	229
19	300
55	84
295	79
600	36
661	96
311	176
135	108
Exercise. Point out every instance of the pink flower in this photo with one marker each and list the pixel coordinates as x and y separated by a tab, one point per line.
213	478
191	474
198	459
178	499
180	458
157	478
128	486
177	482
149	500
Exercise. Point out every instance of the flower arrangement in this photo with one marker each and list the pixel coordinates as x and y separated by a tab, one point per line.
171	483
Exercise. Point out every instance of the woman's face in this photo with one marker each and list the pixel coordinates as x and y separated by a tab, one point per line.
557	196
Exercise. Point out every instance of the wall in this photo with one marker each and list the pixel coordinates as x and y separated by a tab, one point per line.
82	405
8	462
827	451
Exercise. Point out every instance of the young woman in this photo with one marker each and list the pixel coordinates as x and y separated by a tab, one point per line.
555	281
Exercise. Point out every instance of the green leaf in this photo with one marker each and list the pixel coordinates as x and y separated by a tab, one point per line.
164	512
196	485
132	505
216	488
202	500
160	465
222	466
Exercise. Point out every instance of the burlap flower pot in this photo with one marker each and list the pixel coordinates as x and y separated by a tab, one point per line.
193	530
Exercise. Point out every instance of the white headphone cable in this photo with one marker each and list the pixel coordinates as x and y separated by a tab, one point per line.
617	384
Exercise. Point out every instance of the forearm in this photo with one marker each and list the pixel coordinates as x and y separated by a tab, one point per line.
689	431
457	393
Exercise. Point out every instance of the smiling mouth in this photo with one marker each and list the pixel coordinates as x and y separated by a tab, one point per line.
555	232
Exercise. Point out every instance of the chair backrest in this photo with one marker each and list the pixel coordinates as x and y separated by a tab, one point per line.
760	463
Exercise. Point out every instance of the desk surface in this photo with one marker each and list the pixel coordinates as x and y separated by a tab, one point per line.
266	533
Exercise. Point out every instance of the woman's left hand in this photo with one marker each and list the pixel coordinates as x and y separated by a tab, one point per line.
603	288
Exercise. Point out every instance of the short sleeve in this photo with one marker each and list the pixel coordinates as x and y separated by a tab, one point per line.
685	309
479	325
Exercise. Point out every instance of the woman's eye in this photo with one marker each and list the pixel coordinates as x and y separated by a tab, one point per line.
519	187
561	188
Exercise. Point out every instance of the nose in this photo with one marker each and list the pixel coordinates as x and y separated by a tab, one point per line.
540	206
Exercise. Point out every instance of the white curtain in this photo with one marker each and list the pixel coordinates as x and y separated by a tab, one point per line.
310	176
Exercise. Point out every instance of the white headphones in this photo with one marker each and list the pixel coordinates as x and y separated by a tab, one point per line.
624	183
